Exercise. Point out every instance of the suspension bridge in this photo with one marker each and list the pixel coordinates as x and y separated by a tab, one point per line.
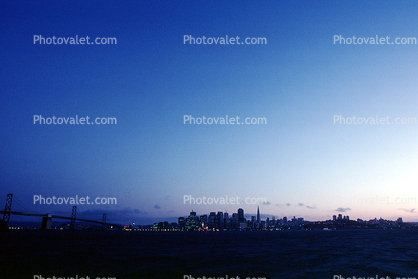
47	218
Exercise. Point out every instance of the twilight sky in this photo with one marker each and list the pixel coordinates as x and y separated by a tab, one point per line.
300	161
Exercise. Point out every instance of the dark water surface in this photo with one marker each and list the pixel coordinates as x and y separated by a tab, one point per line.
280	254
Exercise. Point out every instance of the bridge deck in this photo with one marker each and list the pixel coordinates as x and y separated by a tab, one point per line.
57	217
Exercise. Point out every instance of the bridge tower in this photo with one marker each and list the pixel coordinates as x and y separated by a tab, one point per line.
7	209
46	222
104	221
73	215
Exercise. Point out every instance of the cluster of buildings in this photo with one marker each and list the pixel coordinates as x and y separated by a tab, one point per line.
340	217
222	221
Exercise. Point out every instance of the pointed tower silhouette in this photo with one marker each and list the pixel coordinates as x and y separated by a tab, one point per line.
258	214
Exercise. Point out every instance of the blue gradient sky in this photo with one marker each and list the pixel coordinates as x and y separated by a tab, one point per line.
150	79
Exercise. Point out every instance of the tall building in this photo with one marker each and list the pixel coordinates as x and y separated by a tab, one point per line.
241	215
227	223
211	220
334	217
220	220
258	215
181	223
204	220
234	221
192	222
